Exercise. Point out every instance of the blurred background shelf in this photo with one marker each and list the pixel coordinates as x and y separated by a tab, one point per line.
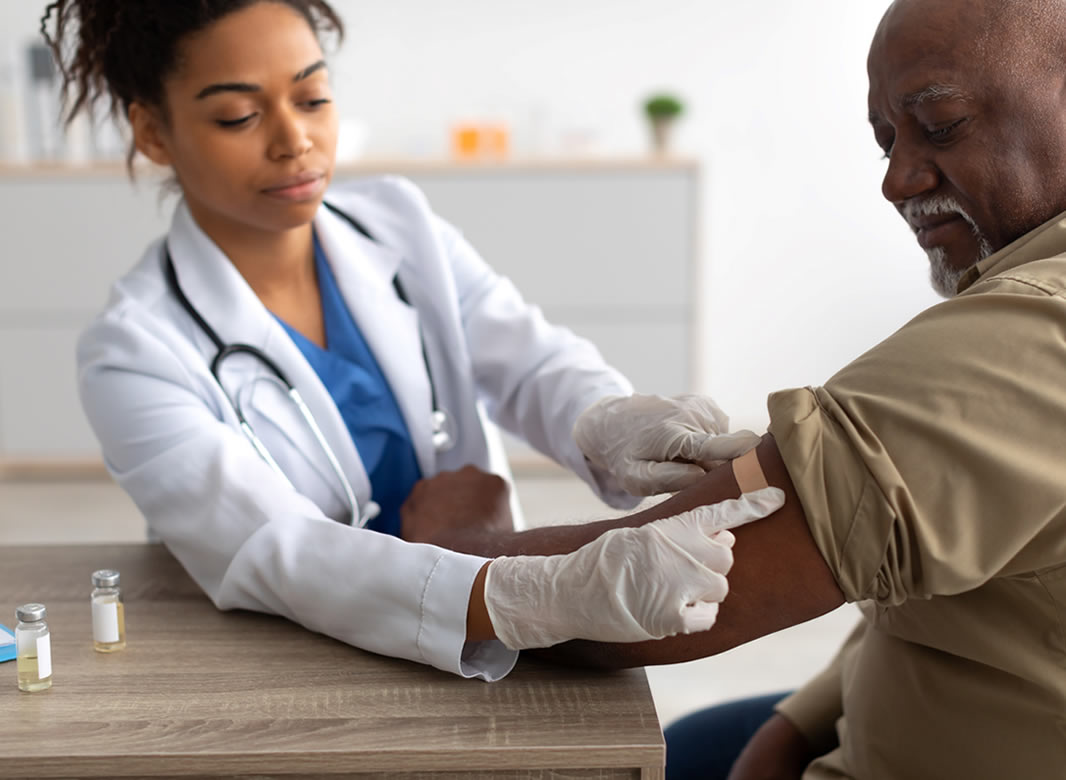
606	247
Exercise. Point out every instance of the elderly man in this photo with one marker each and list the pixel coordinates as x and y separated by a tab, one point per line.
927	479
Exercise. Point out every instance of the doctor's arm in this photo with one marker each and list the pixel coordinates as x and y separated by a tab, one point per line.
779	578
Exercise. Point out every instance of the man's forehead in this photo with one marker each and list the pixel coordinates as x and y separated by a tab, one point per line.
978	46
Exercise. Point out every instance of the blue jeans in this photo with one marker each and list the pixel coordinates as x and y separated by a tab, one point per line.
706	743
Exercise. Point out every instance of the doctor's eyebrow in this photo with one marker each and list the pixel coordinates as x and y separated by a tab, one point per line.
243	86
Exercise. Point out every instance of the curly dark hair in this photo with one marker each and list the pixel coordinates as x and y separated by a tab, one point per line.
122	50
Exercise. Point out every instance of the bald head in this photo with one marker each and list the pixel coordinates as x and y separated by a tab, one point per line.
968	100
1000	33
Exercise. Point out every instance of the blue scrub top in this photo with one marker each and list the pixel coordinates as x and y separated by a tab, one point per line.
353	378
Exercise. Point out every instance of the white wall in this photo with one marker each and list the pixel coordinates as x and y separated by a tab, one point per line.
804	266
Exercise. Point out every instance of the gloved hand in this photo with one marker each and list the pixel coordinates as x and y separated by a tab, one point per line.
628	585
651	444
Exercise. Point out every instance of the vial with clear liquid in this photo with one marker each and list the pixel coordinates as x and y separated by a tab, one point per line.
33	648
109	617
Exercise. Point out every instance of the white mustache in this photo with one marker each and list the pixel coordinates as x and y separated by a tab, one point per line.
935	206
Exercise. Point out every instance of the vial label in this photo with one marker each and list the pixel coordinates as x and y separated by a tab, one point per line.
44	656
105	621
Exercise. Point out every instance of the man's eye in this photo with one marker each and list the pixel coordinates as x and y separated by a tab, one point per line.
318	102
942	133
233	122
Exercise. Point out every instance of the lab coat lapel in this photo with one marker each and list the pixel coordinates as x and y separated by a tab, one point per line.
364	270
218	291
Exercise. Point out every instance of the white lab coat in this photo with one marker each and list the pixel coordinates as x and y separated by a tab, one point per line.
170	436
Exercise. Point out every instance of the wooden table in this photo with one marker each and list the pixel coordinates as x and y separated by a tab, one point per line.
202	693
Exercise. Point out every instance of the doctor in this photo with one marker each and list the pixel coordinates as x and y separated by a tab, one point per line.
275	375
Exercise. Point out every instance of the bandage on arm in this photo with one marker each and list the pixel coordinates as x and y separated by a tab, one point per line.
747	471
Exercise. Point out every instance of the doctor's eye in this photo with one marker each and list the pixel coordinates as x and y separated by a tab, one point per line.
233	122
317	103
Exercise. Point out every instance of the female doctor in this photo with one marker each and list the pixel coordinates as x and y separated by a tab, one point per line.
275	374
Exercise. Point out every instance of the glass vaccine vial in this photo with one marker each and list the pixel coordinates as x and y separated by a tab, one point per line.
109	617
33	648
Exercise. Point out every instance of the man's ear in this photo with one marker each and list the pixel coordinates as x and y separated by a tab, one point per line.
147	127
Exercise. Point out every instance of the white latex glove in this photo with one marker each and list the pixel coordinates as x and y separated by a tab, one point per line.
628	585
651	444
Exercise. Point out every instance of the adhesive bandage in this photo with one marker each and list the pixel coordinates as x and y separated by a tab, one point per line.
748	472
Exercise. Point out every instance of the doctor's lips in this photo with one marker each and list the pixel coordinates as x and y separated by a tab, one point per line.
302	186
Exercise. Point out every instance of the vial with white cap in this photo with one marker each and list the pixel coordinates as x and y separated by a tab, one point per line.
33	648
109	618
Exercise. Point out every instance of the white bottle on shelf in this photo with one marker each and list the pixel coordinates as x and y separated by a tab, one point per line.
45	108
14	145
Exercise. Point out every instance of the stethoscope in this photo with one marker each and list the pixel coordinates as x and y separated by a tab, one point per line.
443	435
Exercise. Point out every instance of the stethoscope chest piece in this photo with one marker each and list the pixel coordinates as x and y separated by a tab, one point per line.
444	433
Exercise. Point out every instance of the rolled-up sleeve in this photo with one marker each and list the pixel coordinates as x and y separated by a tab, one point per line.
934	462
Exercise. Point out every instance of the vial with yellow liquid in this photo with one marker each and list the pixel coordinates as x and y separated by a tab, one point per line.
109	618
33	649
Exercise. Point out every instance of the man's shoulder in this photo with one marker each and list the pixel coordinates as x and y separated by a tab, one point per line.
1045	276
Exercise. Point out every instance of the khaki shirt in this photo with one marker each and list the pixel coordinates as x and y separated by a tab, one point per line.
932	471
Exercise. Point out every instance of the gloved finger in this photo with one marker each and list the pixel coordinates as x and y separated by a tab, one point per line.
740	511
717	558
649	479
724	538
726	446
711	411
710	587
699	616
685	536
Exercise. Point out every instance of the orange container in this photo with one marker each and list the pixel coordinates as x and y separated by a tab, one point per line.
480	140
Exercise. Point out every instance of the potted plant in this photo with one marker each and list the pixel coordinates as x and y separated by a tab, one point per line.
662	111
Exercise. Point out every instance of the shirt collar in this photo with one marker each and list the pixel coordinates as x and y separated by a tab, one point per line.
1047	240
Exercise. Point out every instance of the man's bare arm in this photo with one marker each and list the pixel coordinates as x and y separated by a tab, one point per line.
779	578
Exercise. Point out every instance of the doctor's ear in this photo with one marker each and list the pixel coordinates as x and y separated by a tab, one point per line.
147	127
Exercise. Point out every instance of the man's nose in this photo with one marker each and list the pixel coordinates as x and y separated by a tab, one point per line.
910	173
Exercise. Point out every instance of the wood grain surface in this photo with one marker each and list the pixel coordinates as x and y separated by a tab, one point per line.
203	693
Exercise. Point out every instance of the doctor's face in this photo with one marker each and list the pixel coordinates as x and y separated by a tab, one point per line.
249	125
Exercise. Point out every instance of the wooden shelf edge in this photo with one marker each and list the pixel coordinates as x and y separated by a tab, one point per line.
372	166
52	469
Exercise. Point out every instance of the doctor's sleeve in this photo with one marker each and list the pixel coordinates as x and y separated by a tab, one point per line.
534	377
248	539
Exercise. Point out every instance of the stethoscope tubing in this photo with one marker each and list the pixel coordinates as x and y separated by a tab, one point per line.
443	439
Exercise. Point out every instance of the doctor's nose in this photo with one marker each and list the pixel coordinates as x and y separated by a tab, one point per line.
290	137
